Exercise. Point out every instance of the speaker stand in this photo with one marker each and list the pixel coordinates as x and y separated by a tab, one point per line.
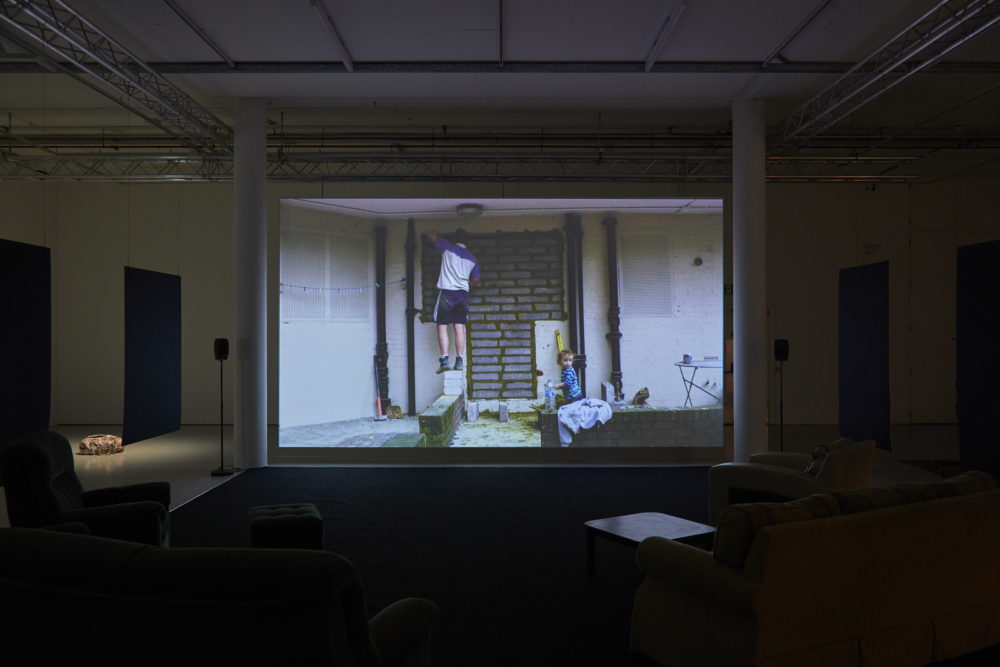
223	470
781	407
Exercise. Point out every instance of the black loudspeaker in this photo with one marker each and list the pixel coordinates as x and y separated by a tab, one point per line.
781	349
221	348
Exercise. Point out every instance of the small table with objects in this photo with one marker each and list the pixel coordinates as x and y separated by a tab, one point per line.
689	384
631	529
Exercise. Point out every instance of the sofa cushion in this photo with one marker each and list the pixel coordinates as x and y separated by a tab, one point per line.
880	497
875	498
973	481
737	525
919	492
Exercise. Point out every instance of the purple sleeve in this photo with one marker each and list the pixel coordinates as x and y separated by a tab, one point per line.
442	244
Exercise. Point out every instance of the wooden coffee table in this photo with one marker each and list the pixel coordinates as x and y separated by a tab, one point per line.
634	528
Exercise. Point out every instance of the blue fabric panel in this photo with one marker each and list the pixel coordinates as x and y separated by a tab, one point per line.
25	338
864	353
152	354
977	355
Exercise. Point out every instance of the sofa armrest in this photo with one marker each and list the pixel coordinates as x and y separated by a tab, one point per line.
697	571
130	493
790	460
147	522
772	480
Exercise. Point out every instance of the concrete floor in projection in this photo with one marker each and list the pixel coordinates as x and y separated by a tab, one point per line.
486	431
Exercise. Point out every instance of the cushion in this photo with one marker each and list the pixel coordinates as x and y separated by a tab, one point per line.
922	492
875	498
819	453
737	525
973	481
292	526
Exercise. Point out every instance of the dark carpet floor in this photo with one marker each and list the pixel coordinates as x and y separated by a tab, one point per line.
502	551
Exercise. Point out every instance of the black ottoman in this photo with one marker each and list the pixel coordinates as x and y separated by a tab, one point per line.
293	526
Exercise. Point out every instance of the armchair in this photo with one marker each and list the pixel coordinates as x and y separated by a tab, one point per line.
843	465
42	489
119	603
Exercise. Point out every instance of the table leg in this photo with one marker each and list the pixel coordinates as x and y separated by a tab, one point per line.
591	566
687	386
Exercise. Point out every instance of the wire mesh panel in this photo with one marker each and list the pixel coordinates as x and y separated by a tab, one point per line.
303	275
349	295
646	286
324	277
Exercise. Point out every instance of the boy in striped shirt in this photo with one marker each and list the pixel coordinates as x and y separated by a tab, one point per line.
570	384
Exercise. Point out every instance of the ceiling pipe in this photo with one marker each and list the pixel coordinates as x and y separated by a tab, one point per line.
674	10
776	53
200	32
331	27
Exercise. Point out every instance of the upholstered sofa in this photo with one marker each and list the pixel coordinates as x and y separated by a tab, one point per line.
841	465
79	599
900	575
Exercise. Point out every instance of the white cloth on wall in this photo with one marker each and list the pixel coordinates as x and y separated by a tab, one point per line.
585	413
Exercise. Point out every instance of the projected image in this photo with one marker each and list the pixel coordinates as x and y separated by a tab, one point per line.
502	323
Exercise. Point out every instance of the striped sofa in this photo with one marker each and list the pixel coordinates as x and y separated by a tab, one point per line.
900	575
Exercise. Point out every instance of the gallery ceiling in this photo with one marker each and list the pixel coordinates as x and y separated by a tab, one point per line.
499	90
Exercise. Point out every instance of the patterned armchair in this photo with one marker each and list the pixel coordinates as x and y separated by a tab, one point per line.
842	465
43	489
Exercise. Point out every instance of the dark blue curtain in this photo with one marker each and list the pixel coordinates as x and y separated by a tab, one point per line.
152	354
977	355
25	338
864	353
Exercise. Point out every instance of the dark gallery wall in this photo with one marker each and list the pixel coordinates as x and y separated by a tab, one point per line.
152	354
864	353
977	314
25	338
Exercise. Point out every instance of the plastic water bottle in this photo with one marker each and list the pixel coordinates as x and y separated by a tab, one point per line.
550	395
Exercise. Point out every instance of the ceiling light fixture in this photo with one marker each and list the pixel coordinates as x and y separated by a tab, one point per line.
469	210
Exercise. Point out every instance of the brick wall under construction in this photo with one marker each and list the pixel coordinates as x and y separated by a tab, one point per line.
522	282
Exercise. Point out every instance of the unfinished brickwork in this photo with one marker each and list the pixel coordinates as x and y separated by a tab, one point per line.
643	427
521	283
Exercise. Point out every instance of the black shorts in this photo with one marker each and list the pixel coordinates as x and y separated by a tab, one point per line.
452	307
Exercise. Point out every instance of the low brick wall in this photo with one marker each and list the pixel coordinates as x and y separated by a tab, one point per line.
440	420
644	427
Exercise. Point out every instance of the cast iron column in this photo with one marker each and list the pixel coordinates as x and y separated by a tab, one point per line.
381	347
574	291
614	336
411	312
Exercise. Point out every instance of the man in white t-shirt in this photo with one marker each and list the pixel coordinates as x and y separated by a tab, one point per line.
459	270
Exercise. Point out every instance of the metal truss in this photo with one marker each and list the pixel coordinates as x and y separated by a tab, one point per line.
715	168
63	38
941	30
357	155
364	168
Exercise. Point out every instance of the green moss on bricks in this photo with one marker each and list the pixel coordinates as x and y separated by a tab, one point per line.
406	440
438	421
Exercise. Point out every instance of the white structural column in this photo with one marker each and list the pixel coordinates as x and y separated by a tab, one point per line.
750	349
250	242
